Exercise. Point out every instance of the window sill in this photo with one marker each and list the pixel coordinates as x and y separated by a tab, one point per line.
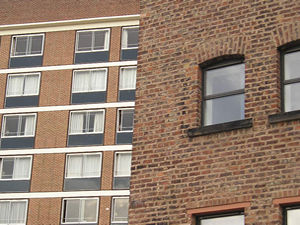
287	116
216	128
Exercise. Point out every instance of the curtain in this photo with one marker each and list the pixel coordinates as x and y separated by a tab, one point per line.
123	164
15	85
31	84
4	209
72	212
77	120
80	81
98	122
127	78
21	168
17	212
29	125
74	166
120	207
91	165
98	80
124	38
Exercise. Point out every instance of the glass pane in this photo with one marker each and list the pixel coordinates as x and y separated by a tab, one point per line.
293	217
22	168
77	122
17	212
127	78
90	210
126	120
72	211
36	43
133	36
7	168
84	41
74	168
228	220
120	210
225	79
99	41
292	97
98	80
15	86
292	65
11	126
91	165
123	164
20	45
226	109
31	84
81	81
4	215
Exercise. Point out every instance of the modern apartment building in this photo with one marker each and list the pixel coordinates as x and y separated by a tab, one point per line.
67	97
217	118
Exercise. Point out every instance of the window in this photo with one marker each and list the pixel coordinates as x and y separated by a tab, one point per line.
225	219
122	164
125	120
19	125
92	40
85	122
23	84
130	36
127	78
13	212
291	79
80	210
89	80
27	45
223	95
120	210
15	168
292	215
83	165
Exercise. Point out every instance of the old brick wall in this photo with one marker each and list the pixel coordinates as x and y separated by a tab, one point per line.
172	173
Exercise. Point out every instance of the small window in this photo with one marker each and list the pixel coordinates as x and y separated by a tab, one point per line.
27	45
15	168
130	37
23	84
83	165
125	120
80	210
291	79
230	219
19	125
92	40
87	122
292	215
13	212
122	164
223	97
89	80
127	78
120	210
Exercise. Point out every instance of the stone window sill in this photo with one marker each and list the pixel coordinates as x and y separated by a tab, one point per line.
216	128
287	116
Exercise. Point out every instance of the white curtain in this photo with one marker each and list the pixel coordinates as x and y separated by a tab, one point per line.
74	166
98	80
21	168
17	212
124	38
29	125
127	78
91	165
77	122
98	122
15	85
4	212
123	164
80	81
31	84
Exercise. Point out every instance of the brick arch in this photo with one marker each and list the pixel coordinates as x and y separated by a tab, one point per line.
285	33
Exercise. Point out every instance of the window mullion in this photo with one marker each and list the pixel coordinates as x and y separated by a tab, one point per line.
24	81
291	81
81	211
93	40
19	125
226	94
28	44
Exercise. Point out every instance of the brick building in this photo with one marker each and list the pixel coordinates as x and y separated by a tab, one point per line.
67	97
217	130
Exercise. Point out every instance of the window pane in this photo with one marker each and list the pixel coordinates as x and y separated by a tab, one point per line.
127	78
226	109
98	80
120	210
20	45
225	79
22	168
28	125
90	210
4	215
11	126
72	210
17	212
84	41
96	122
130	37
7	168
15	85
31	84
100	42
36	43
228	220
77	122
293	217
126	120
123	164
291	97
81	81
292	65
91	165
74	168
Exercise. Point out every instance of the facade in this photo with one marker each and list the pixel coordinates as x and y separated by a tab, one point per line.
67	98
217	129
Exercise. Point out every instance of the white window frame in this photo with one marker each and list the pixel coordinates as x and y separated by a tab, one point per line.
1	167
118	119
121	68
124	28
99	50
81	111
26	210
113	211
23	74
115	163
88	91
82	154
26	35
63	210
17	136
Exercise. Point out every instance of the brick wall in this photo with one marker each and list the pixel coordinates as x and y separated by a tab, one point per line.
172	173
